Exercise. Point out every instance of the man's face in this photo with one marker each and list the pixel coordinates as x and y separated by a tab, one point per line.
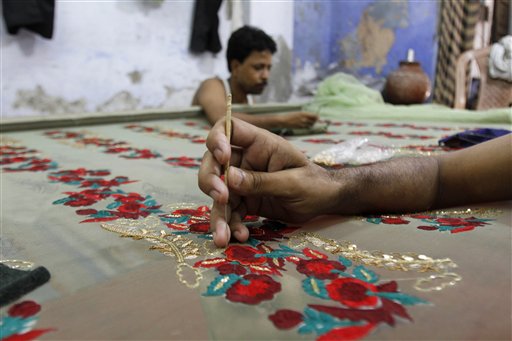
252	75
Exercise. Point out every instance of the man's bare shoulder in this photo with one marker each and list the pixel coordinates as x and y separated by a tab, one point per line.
208	87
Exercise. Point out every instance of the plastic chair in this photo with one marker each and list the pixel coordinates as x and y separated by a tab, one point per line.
492	93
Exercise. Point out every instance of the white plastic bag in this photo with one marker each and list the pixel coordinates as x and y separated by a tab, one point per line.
356	151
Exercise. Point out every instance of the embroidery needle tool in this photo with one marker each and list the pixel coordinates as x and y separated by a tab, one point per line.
228	136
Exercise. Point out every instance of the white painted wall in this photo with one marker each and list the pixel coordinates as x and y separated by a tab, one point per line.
86	67
274	17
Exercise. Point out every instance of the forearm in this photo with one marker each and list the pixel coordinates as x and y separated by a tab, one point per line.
401	185
481	173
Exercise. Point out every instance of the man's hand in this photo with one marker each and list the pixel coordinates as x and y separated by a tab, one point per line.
268	177
298	120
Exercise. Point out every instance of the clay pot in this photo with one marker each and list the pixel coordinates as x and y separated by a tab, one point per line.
407	85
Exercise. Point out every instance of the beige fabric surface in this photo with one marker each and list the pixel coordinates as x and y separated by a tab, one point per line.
107	287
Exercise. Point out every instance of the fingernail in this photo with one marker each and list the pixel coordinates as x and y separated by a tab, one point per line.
217	153
236	176
237	235
214	234
228	232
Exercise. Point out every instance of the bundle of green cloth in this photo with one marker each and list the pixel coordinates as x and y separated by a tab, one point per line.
342	96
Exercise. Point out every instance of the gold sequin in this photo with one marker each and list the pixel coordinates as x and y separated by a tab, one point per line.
18	264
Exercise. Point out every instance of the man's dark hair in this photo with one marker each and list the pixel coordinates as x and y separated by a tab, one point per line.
246	40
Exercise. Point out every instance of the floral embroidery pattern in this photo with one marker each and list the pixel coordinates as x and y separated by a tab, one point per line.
413	126
109	145
24	158
19	321
248	274
123	149
167	133
323	141
434	222
358	302
391	135
195	124
125	205
184	161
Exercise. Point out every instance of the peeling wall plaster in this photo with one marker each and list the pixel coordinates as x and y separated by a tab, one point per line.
39	100
122	55
365	37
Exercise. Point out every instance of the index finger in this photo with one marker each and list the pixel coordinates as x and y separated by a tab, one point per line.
217	142
245	134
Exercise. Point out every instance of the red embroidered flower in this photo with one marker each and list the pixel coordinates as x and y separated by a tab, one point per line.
286	318
130	197
201	211
24	309
131	207
85	198
229	268
252	289
463	229
352	292
184	161
347	333
86	211
244	255
319	268
10	160
428	227
200	227
394	220
458	222
117	150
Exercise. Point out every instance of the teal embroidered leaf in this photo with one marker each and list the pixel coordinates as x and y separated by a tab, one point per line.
114	205
253	242
288	249
61	201
319	322
177	220
365	274
374	220
283	252
399	297
101	214
345	261
16	325
150	203
221	284
315	287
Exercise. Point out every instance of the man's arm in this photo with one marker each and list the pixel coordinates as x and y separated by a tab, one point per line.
481	173
272	178
211	96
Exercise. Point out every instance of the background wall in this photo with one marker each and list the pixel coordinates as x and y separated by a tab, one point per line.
365	37
123	55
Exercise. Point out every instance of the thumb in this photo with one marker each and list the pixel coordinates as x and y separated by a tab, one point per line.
246	182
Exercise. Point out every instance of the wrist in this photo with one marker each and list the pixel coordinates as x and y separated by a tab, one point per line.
345	197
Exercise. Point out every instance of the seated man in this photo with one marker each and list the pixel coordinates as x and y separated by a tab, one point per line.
249	57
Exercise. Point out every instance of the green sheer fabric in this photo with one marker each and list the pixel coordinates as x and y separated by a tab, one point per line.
342	96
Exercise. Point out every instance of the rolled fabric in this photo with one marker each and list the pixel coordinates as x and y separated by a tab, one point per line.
500	59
